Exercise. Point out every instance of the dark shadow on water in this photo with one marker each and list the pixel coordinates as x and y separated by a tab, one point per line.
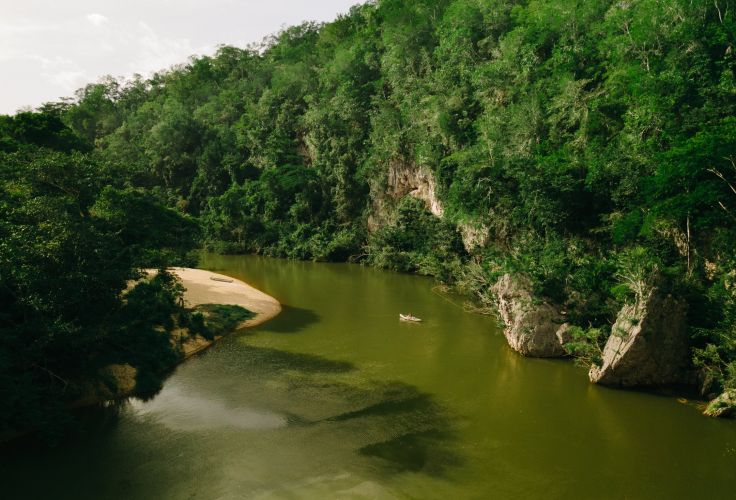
671	391
88	425
422	451
414	403
394	424
402	427
411	431
290	320
275	360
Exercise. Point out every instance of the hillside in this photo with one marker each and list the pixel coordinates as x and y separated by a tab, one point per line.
585	149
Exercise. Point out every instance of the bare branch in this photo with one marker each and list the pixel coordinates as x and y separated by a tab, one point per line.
723	178
52	374
720	16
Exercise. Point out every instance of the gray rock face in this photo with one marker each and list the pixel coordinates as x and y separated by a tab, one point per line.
474	236
414	181
403	179
648	346
724	406
531	329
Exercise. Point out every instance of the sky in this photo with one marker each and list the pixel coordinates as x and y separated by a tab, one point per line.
50	48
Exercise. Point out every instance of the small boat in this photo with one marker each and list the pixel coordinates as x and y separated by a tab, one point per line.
409	317
224	280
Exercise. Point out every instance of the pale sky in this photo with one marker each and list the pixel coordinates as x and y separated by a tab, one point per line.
50	48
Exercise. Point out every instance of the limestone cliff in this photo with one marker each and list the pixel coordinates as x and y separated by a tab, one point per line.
531	328
474	235
648	345
404	179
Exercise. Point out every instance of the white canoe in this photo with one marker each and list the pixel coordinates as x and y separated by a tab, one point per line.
409	317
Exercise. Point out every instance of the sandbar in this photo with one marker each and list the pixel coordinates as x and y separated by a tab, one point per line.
202	289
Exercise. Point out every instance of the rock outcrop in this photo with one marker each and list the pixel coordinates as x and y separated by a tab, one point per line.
724	406
648	345
404	179
530	328
474	236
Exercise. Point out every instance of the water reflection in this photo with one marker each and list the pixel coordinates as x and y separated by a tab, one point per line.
183	411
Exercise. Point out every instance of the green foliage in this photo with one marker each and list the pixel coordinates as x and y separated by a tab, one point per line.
586	345
219	319
637	271
38	129
151	234
716	353
416	241
282	213
569	271
140	329
71	236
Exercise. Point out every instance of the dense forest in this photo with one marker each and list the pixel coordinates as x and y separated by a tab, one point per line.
73	232
589	145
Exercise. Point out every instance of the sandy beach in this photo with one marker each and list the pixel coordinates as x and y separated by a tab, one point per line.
202	289
205	287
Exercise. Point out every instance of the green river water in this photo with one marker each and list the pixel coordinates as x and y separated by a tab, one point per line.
336	398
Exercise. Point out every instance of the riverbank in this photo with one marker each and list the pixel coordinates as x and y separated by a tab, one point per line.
205	287
201	288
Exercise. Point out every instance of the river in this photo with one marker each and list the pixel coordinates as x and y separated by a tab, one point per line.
335	398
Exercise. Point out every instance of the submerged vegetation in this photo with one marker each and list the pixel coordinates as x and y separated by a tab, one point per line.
590	145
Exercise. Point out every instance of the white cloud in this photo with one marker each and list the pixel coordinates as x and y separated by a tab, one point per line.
69	80
97	19
51	48
159	52
25	28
